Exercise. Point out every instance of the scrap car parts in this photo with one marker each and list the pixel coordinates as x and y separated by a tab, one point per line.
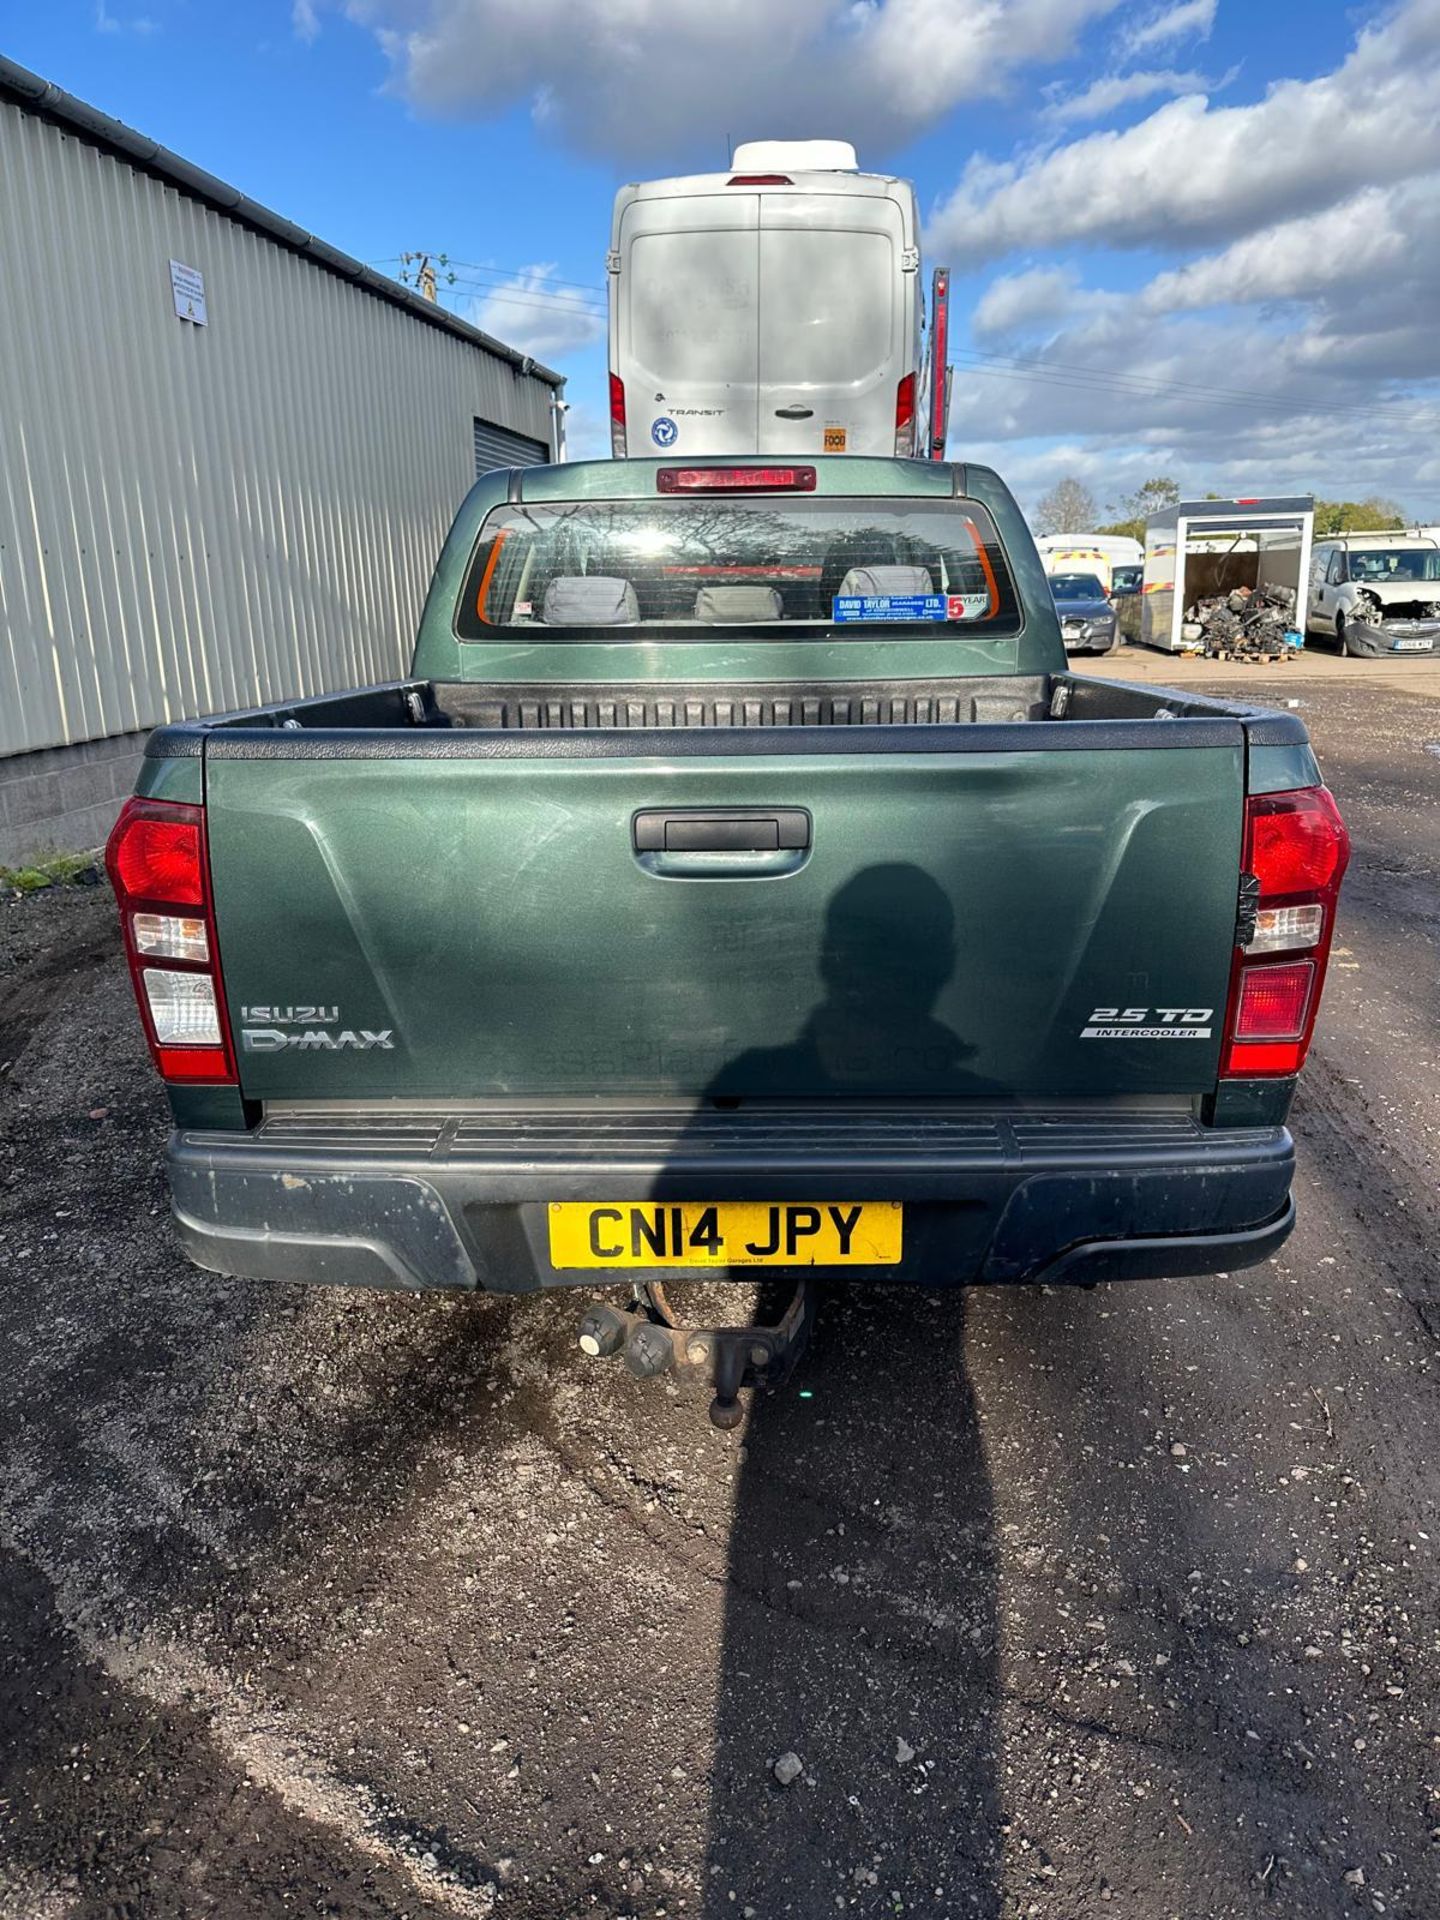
1250	624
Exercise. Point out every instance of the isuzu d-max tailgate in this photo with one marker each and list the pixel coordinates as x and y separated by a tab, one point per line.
995	911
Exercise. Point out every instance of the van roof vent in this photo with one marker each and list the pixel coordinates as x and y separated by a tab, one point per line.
798	156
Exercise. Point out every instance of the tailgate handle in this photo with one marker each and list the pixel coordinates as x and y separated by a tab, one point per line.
795	412
722	830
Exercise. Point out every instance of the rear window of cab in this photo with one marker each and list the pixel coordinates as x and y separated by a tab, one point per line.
769	564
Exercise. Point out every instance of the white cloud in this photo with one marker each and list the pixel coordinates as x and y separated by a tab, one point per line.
1112	442
1268	458
658	79
1197	173
1298	357
1012	304
531	313
305	20
1114	90
1296	260
1114	467
1341	400
139	24
1298	352
1188	20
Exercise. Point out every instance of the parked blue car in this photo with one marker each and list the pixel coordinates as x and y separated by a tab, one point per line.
1087	618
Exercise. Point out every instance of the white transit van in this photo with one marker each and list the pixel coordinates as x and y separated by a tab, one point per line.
772	309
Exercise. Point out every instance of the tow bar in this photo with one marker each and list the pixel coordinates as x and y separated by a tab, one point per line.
653	1342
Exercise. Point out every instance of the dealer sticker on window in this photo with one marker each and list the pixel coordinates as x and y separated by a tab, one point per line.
909	606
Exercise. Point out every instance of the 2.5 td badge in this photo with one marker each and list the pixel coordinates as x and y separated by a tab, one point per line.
1149	1023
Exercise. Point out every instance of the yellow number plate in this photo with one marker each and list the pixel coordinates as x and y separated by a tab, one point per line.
731	1233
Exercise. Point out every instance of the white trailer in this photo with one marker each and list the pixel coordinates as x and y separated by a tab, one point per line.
772	309
1204	547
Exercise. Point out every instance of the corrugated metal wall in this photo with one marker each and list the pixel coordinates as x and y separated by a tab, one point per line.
194	518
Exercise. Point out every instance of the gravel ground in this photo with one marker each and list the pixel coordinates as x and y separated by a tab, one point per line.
1064	1602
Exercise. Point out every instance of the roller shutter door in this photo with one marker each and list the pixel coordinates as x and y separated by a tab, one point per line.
498	447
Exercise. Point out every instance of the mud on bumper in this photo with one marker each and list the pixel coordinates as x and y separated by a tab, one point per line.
426	1200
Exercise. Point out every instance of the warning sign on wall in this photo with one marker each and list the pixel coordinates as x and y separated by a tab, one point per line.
187	284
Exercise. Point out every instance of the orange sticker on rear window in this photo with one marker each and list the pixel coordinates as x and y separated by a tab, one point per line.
489	575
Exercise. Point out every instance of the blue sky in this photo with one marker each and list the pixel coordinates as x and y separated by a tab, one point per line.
1193	237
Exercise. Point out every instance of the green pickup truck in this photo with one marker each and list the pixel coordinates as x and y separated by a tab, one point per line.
740	882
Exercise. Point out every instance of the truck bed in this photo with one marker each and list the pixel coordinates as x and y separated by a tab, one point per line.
405	707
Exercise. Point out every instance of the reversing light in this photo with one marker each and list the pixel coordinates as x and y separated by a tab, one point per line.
735	479
168	937
1283	929
183	1009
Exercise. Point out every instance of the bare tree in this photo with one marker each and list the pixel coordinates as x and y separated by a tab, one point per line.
1135	509
1069	507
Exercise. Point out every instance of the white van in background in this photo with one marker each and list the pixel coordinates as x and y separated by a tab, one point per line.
772	309
1376	592
1097	553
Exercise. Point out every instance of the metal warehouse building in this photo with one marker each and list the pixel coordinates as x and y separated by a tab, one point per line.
228	456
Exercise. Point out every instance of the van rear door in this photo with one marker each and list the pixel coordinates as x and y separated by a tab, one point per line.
836	322
686	323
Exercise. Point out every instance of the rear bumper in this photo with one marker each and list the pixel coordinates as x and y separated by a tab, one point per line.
426	1200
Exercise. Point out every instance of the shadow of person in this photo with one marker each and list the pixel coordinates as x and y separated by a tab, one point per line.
860	1632
889	949
860	1617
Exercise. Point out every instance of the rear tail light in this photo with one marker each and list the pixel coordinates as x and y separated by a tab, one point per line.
759	180
158	864
617	417
735	479
1296	849
905	417
158	855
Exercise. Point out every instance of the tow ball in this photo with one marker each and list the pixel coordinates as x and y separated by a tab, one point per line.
652	1341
